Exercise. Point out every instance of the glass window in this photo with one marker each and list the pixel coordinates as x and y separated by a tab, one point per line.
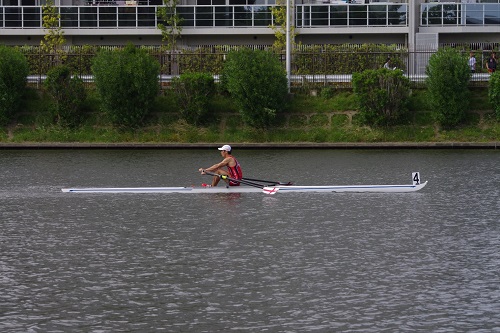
69	17
397	14
262	16
338	15
319	15
10	3
242	16
88	17
377	15
187	13
434	14
204	16
474	14
223	16
450	14
107	17
358	15
146	17
126	16
491	14
13	17
32	17
298	16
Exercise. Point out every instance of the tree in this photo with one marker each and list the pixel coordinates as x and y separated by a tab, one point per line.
194	92
127	82
279	25
171	27
68	93
494	92
54	37
257	81
382	95
448	76
13	72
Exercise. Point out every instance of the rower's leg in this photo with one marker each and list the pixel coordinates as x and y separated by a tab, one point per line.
215	181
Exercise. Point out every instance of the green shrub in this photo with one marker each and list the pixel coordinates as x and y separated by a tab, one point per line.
194	92
382	95
257	81
203	59
68	94
127	81
494	93
327	92
447	82
13	72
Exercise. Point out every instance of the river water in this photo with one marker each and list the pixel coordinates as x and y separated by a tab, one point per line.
318	262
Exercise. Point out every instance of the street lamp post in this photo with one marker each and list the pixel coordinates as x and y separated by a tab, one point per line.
288	51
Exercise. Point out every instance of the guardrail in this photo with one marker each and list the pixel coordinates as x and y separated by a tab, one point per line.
294	79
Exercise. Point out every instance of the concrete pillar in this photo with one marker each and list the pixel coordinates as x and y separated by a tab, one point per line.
413	25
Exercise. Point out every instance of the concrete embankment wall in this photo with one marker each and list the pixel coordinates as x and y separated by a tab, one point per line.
304	145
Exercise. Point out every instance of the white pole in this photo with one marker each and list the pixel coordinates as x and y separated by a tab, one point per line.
288	53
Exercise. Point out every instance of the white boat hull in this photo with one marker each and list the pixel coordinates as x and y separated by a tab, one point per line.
247	189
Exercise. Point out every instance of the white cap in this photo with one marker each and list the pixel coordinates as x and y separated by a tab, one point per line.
225	147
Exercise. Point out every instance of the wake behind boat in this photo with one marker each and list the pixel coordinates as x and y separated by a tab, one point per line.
254	187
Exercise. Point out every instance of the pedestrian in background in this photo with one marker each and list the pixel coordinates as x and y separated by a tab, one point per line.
491	64
472	62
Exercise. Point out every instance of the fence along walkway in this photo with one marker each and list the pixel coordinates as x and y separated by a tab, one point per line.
311	64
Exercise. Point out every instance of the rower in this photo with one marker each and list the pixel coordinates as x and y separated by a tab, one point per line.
232	165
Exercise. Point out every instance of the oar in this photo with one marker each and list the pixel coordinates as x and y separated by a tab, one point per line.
268	181
270	190
234	180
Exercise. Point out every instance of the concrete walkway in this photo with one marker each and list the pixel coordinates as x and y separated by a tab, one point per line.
375	145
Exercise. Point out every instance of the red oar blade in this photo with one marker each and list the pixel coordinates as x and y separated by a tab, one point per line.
270	190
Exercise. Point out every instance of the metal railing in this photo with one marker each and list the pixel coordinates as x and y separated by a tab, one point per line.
306	16
251	16
460	14
308	68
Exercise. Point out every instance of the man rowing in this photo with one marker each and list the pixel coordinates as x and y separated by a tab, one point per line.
229	161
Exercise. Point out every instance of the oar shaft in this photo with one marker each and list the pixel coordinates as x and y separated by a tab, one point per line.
267	181
234	180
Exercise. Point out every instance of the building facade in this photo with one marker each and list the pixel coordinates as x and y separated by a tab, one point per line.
412	23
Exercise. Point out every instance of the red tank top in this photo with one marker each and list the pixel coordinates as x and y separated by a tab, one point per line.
235	172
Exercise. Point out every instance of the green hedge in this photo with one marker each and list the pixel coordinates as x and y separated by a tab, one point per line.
447	83
382	95
127	82
194	91
257	81
13	72
68	94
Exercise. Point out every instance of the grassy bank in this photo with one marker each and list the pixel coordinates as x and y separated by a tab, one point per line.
323	118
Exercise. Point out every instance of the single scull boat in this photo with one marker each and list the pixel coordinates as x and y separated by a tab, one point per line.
417	185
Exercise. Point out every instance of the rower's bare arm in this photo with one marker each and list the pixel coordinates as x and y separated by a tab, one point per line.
217	166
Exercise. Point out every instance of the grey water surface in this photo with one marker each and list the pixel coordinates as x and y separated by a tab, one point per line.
297	262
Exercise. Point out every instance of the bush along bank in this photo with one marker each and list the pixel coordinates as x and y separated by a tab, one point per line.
308	119
250	104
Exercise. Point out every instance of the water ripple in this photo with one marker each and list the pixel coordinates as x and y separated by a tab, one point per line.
425	261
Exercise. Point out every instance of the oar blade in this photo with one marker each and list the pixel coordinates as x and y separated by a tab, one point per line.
270	190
